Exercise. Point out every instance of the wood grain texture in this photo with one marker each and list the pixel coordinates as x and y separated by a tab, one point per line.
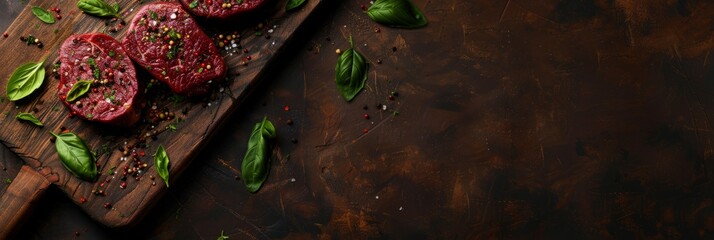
18	200
33	144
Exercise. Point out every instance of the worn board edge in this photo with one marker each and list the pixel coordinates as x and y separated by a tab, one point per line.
126	208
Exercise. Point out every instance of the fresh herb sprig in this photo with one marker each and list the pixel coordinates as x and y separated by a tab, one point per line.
75	156
294	4
25	80
44	15
99	8
256	165
397	13
79	89
351	72
29	118
161	162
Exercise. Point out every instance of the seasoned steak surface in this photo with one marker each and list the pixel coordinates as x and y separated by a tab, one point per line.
102	60
167	42
221	8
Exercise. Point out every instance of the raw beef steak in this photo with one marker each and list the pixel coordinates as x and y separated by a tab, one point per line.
165	40
221	9
99	64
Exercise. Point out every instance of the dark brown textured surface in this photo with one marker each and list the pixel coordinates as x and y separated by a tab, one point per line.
518	119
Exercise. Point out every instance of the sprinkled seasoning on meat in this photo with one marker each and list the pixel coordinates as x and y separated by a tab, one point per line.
166	41
101	60
221	9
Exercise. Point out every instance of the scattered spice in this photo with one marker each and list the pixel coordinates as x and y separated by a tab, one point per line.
229	42
289	122
5	35
32	40
365	116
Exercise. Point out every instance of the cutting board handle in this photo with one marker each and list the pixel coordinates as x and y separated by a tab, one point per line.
19	198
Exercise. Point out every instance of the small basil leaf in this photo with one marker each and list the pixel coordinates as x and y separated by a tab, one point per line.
222	237
76	156
43	15
78	90
255	165
25	80
397	13
293	4
98	8
161	161
193	4
115	6
28	117
351	72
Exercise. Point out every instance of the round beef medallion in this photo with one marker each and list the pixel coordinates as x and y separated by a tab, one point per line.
98	80
167	42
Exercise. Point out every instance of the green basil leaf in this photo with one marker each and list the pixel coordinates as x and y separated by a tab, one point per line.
397	13
255	166
193	4
153	14
161	161
78	90
293	4
76	156
351	73
115	6
28	117
43	15
25	80
98	8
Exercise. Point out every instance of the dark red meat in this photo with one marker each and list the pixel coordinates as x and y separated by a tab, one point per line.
220	8
113	93
165	40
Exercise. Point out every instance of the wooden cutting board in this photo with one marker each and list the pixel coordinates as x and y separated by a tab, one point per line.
201	117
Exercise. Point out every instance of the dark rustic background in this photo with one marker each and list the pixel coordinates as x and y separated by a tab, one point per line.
514	119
